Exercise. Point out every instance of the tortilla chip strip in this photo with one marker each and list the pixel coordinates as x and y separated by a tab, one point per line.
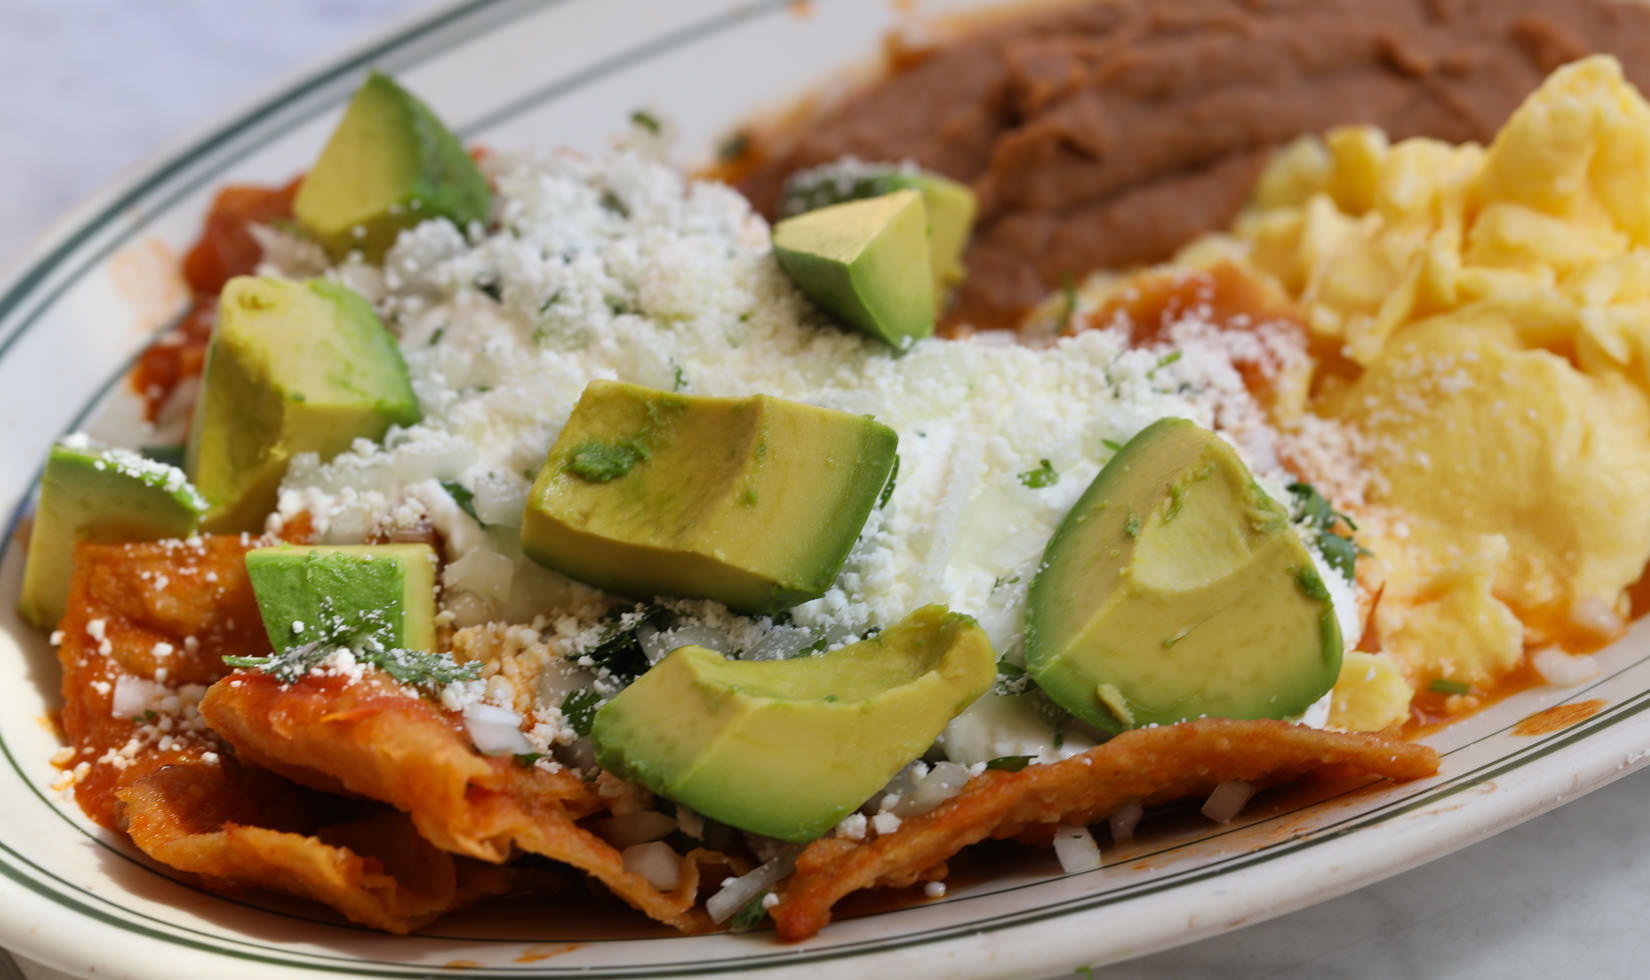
158	618
167	610
1149	765
211	821
376	738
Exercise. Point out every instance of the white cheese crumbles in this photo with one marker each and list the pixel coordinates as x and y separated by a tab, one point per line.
621	269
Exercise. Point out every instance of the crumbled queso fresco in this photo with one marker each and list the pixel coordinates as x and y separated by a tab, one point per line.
621	269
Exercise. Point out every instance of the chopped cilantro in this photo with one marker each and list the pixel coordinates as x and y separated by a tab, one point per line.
603	462
1112	444
579	708
1068	299
414	667
620	652
749	915
1164	361
1443	685
1009	763
1042	476
679	381
1177	499
1339	550
552	300
147	716
1011	679
463	497
646	120
437	334
526	759
1131	525
492	290
888	488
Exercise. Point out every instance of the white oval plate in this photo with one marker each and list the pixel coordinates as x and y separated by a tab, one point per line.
510	73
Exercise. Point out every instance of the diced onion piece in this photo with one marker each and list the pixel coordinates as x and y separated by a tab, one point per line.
742	889
1076	849
656	862
628	829
1564	669
134	695
941	783
1596	618
1228	800
1124	821
495	730
481	572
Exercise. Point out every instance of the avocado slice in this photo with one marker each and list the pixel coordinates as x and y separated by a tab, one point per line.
94	493
1175	588
865	263
346	595
787	748
753	502
292	367
389	165
950	205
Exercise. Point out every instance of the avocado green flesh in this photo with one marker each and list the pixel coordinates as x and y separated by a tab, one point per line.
292	367
95	494
754	502
389	165
1176	589
950	207
346	595
787	748
866	263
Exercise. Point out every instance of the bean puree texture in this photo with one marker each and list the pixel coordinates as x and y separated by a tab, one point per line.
1110	133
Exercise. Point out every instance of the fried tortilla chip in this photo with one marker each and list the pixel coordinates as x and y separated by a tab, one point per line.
214	821
147	629
1151	765
373	737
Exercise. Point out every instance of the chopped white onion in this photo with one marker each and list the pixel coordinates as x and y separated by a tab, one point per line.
656	862
1228	800
658	644
1596	617
628	829
738	891
940	783
495	730
134	695
782	643
1124	821
1076	849
1564	669
482	572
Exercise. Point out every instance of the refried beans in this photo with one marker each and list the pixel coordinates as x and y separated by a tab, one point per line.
1110	133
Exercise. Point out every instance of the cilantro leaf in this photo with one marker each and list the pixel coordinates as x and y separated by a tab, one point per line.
1042	476
1009	763
579	708
751	913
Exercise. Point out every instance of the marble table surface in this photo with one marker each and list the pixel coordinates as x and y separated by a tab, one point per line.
89	87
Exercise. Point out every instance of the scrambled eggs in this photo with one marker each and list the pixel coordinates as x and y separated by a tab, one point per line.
1483	323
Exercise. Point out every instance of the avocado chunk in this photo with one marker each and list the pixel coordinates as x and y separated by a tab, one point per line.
787	748
865	263
389	165
754	502
292	367
346	595
94	493
950	205
1175	588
